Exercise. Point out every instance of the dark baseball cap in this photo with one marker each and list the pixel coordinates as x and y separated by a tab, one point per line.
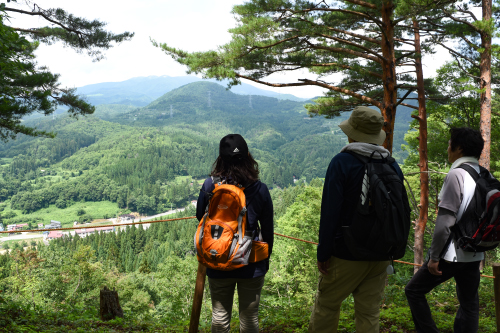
233	146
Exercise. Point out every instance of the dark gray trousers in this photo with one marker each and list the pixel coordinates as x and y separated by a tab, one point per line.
466	276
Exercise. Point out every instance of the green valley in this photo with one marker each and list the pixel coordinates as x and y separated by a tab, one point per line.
134	157
148	160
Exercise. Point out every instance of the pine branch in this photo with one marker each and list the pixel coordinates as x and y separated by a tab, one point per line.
404	41
471	14
332	10
377	75
404	55
271	45
404	97
470	25
307	82
352	34
346	51
45	16
472	45
459	64
368	39
341	40
410	106
343	91
455	53
362	3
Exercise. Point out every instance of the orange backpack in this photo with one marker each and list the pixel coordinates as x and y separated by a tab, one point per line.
222	240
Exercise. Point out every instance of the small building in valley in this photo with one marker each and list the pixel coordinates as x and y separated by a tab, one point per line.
89	231
127	218
21	226
55	224
54	234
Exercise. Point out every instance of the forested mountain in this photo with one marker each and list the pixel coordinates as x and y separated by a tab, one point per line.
150	158
140	91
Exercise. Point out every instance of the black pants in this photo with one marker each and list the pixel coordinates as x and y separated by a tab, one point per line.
466	276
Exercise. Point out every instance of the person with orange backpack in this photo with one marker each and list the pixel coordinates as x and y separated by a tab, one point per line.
235	236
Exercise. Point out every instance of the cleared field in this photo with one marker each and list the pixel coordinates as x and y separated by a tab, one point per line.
98	210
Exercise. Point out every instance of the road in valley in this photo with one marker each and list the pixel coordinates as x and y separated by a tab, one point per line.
38	234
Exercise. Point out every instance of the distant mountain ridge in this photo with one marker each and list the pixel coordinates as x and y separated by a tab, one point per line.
140	91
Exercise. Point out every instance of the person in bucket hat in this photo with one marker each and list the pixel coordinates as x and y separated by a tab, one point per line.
341	274
364	125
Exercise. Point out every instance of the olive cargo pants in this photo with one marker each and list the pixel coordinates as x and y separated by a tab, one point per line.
365	280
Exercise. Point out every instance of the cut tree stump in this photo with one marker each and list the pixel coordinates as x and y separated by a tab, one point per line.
110	306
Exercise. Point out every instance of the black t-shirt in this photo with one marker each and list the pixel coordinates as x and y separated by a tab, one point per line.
259	209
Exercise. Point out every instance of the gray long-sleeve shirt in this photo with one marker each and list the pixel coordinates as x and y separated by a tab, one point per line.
456	193
444	221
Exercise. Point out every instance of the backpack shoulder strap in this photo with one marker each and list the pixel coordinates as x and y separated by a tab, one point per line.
485	173
473	173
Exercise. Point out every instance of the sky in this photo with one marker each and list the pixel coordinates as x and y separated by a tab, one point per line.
190	25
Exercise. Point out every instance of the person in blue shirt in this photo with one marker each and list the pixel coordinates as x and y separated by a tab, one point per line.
340	273
235	165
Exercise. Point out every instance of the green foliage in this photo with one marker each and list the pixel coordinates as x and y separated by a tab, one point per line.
26	88
56	288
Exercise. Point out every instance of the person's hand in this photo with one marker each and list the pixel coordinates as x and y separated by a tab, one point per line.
323	267
433	267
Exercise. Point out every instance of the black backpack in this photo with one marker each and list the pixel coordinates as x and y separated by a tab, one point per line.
381	223
478	229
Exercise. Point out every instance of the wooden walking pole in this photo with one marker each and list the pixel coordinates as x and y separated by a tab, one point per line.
197	299
496	292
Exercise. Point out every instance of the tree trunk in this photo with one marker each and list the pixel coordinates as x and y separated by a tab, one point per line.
388	73
422	151
485	85
110	306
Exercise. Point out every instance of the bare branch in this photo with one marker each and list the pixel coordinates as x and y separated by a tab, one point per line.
405	72
404	97
453	52
345	67
368	39
410	106
344	91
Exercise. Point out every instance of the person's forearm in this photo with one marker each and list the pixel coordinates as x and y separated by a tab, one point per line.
444	221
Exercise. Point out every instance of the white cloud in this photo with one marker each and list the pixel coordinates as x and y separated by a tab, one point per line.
191	25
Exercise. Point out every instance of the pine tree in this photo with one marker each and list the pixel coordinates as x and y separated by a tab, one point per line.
25	87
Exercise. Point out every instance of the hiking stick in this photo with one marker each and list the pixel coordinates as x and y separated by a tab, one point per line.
197	299
496	292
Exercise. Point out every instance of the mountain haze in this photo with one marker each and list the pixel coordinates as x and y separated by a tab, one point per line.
140	91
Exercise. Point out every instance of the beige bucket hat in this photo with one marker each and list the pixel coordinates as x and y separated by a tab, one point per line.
364	125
